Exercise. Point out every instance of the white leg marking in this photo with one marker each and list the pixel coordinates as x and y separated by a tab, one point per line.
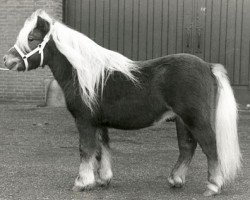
86	178
215	182
177	178
212	190
105	170
181	171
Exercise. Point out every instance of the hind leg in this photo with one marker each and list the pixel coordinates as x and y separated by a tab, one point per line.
104	171
206	139
187	145
201	129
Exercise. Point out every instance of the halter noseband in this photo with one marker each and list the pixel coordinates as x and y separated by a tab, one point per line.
38	49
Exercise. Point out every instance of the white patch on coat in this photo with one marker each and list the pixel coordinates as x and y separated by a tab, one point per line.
164	117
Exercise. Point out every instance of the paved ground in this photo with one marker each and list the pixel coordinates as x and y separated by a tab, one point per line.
39	160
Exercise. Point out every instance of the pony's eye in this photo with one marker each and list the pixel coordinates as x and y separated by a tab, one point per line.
30	39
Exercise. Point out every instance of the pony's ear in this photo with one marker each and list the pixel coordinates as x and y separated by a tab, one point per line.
42	25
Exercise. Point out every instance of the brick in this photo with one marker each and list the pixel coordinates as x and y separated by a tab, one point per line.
28	86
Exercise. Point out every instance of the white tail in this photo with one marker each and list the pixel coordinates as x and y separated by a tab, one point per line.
226	117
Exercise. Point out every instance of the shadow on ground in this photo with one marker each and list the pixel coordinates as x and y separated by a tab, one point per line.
39	160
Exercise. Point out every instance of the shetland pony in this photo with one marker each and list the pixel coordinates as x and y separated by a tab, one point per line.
103	89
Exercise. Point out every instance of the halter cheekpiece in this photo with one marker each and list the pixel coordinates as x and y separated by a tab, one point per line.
38	49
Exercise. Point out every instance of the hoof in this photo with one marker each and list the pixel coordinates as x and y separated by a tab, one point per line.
81	185
209	193
77	189
82	188
212	190
103	183
176	182
104	178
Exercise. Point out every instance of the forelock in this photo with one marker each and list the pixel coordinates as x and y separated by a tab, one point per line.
29	25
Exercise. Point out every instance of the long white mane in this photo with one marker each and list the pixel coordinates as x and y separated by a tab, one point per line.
92	62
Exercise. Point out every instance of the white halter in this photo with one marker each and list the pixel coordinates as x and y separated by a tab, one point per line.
38	49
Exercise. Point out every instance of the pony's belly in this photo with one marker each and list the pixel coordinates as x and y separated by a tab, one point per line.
127	124
135	112
138	120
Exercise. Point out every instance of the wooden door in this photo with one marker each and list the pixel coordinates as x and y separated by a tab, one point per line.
139	29
222	33
216	30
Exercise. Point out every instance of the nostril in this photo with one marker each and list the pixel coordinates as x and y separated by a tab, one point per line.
4	59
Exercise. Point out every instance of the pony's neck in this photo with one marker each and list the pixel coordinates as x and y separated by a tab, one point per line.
60	67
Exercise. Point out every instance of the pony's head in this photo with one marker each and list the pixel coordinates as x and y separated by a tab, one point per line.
31	48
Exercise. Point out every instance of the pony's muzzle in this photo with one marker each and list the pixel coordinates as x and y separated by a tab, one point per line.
10	62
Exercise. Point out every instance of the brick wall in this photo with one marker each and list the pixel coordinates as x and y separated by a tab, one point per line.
27	86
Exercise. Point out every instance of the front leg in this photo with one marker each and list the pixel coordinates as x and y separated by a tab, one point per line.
104	172
88	148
